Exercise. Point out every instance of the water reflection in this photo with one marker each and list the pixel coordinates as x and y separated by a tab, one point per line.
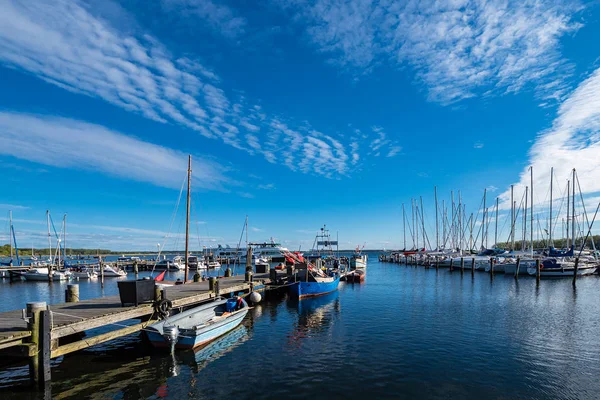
315	316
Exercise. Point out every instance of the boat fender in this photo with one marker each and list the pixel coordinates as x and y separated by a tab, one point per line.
163	307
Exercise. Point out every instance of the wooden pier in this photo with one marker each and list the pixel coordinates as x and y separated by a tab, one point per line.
42	332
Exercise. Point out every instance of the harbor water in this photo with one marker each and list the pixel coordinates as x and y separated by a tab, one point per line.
406	332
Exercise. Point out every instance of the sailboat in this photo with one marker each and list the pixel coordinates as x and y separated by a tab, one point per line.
202	324
12	239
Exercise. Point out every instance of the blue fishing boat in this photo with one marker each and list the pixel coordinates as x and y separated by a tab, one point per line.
199	325
314	286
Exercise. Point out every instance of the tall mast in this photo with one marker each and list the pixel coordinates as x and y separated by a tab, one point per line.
187	220
525	219
422	222
459	217
573	211
404	226
444	216
512	218
10	233
471	233
550	225
483	219
437	227
65	236
531	230
246	231
568	205
49	237
452	229
496	226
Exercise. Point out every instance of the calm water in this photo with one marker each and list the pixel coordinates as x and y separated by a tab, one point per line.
406	332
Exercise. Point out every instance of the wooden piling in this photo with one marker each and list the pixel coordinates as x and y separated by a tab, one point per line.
437	264
451	266
518	267
537	271
575	271
491	266
228	271
45	348
72	293
34	325
473	266
462	265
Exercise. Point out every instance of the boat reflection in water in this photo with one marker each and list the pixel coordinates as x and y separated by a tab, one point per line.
203	355
315	315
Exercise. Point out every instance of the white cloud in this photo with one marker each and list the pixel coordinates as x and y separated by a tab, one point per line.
459	49
478	145
64	43
255	229
394	150
67	143
266	186
573	141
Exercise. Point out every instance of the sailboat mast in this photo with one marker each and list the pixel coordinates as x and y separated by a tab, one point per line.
573	211
404	225
437	226
568	205
483	219
246	231
525	219
187	221
65	237
531	226
422	222
550	225
444	216
452	241
49	238
496	226
512	218
10	229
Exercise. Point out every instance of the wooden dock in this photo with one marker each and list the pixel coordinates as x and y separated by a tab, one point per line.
43	336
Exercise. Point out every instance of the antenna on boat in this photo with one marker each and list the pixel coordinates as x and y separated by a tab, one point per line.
187	221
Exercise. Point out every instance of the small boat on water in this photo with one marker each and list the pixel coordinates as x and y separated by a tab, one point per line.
314	285
113	272
199	325
41	275
176	264
356	276
553	268
84	274
358	261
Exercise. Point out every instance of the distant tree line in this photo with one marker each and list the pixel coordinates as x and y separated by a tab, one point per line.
5	251
558	243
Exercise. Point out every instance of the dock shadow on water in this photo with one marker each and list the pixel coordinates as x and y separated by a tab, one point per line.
404	333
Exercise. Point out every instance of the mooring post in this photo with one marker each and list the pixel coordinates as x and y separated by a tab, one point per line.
72	293
462	265
437	263
135	268
197	277
44	348
273	275
518	267
212	284
491	266
101	272
575	271
228	270
157	293
473	266
34	324
451	266
537	271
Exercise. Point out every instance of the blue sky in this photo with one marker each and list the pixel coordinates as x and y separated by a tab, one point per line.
297	113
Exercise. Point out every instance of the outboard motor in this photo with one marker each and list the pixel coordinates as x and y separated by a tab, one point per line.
171	334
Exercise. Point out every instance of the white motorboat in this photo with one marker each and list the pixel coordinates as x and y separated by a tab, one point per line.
84	274
41	275
358	261
175	264
112	272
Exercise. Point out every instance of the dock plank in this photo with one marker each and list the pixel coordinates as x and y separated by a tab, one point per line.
70	318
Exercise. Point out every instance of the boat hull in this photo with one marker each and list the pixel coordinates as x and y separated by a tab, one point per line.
303	290
190	342
561	272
